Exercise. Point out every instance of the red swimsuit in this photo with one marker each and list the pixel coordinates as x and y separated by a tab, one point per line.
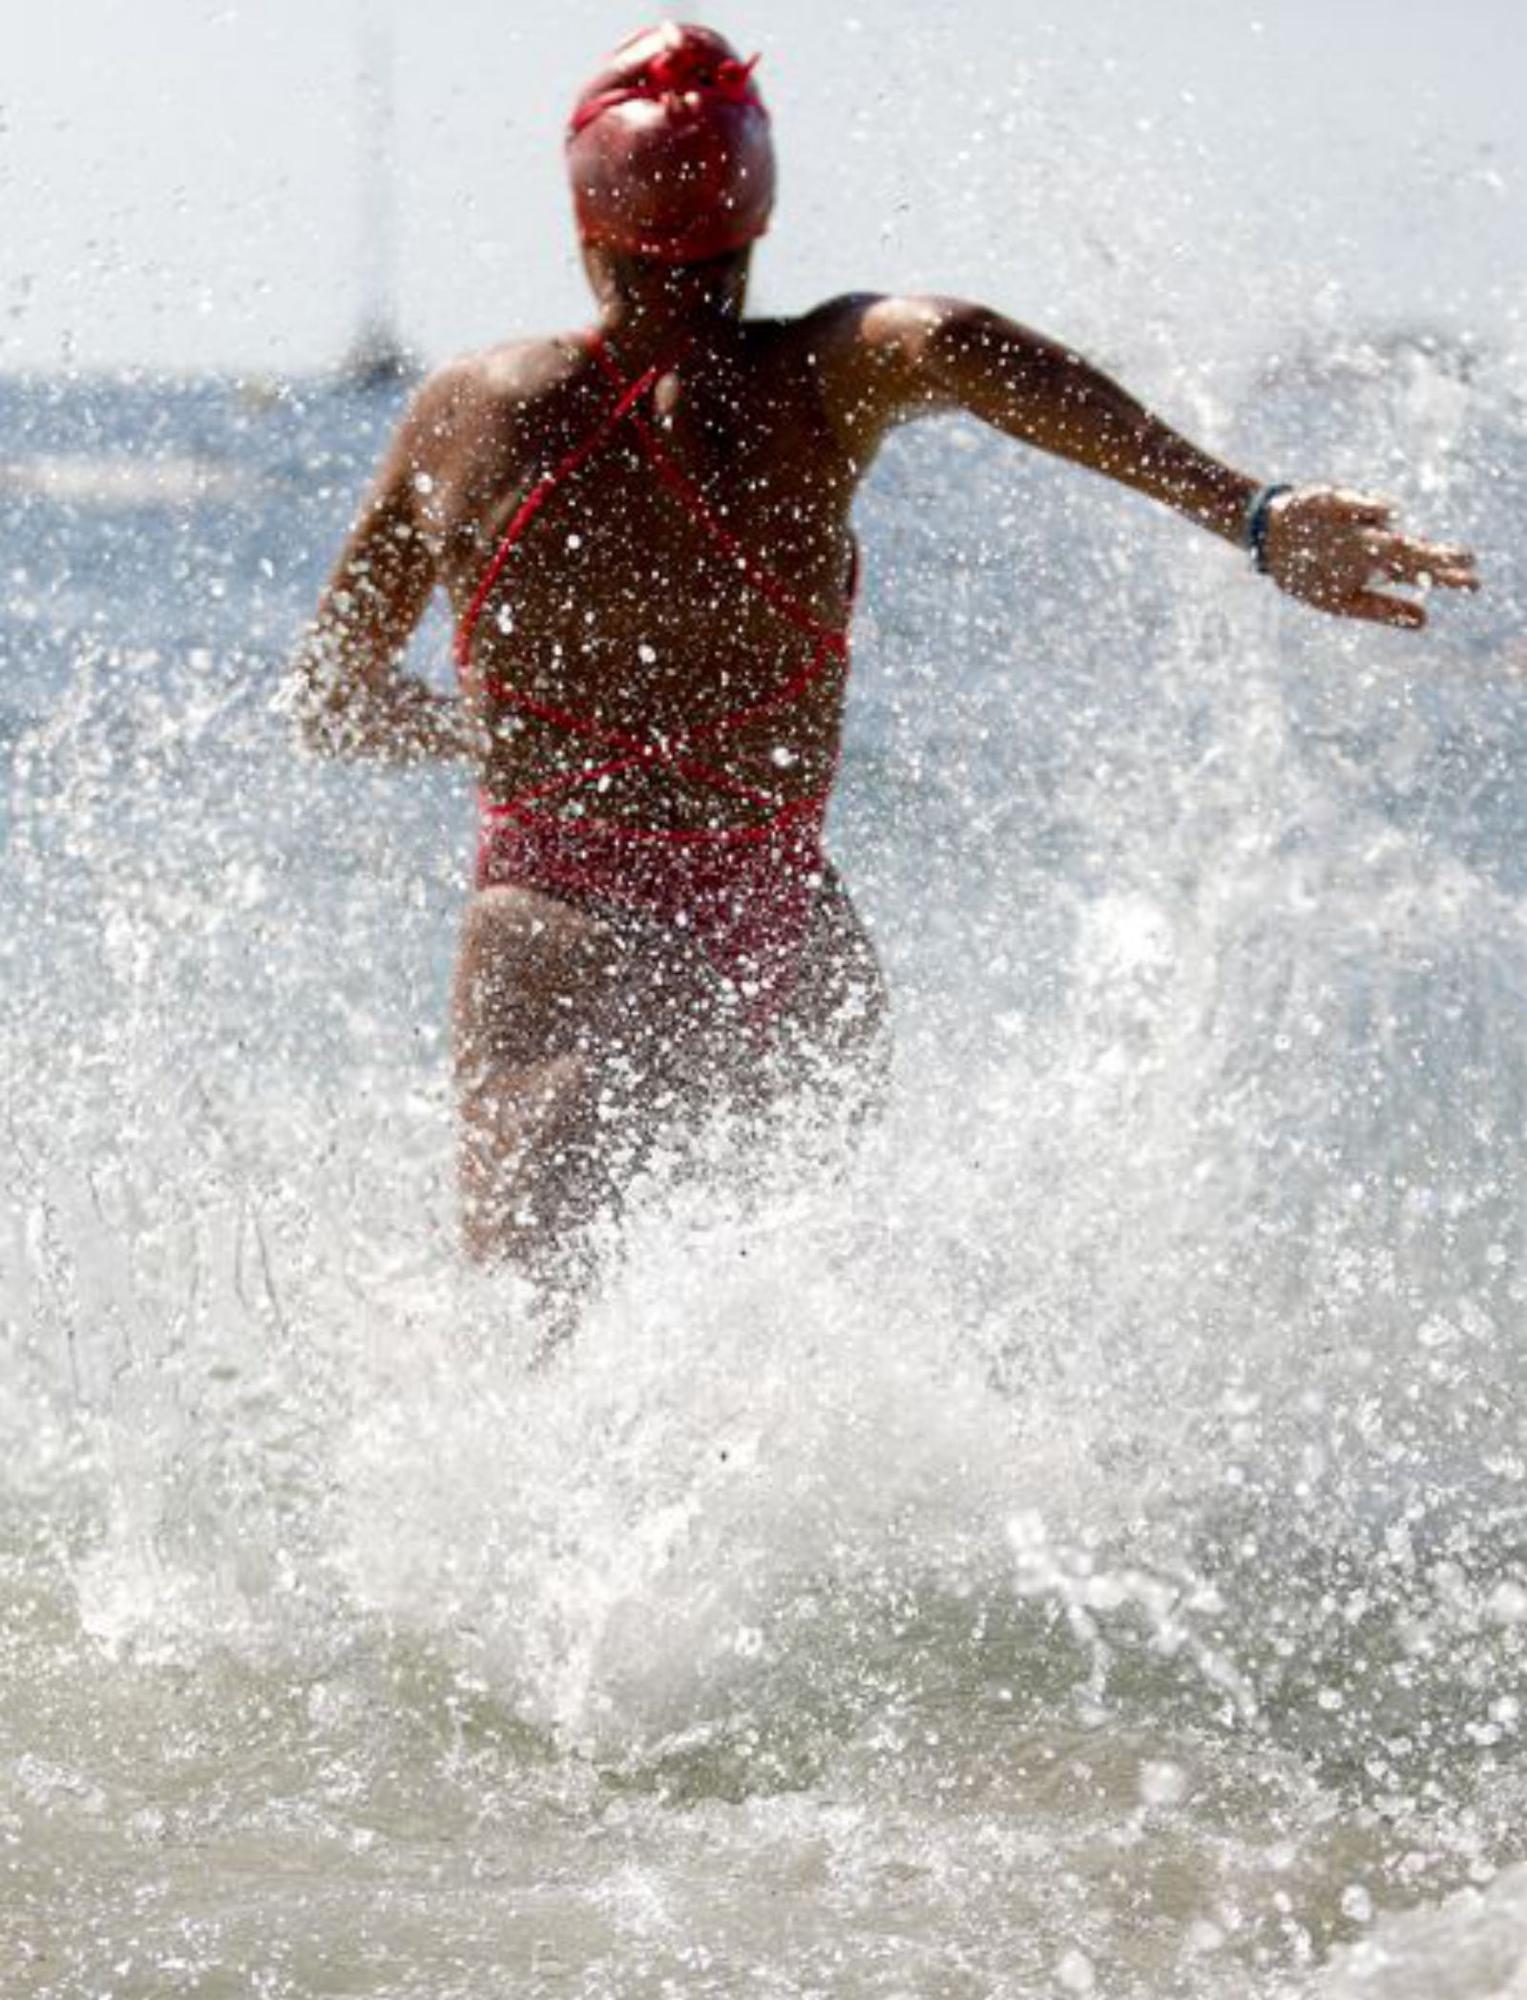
746	893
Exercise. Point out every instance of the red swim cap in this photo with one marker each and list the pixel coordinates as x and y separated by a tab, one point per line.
669	149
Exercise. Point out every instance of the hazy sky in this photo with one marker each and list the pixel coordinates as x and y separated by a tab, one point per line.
179	186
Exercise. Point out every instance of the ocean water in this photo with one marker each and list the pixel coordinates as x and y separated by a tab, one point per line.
1075	1543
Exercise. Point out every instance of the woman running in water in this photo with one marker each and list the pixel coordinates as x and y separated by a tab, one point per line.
643	532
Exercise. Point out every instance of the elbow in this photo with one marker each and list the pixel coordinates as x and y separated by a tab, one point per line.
316	699
319	723
318	736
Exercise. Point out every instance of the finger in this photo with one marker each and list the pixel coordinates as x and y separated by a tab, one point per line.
1379	609
1429	574
1406	561
1431	555
1367	508
1450	557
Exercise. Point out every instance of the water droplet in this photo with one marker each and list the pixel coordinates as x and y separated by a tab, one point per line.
1162	1784
1356	1903
1074	1971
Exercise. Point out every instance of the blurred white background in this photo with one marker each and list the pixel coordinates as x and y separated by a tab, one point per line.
182	186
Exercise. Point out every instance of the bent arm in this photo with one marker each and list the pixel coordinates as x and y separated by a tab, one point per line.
348	689
905	357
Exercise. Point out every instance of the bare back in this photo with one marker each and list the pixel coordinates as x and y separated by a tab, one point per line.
620	602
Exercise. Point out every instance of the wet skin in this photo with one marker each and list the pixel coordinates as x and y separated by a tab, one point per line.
584	1037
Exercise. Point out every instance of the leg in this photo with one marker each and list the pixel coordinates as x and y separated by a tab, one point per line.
578	1045
583	1042
835	1038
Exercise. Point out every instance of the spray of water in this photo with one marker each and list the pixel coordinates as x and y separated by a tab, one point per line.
1072	1541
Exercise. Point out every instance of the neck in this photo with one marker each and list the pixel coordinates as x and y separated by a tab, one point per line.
645	305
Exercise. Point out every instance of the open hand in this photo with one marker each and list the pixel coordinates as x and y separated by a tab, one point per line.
1333	549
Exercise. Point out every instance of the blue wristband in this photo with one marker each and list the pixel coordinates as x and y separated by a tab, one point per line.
1258	519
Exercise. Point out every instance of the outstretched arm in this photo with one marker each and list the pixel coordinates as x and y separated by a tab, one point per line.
895	358
348	690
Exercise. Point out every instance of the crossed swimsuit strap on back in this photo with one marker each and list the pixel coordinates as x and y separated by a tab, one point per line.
746	893
676	750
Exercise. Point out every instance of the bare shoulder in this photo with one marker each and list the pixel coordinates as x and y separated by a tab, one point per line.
458	424
491	380
868	349
515	370
874	327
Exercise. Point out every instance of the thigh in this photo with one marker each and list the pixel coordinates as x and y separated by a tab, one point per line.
580	1043
836	1033
541	981
533	980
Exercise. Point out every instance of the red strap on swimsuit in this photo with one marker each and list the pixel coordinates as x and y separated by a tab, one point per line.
674	751
532	504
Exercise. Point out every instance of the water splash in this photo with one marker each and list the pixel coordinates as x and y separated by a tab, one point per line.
1080	1533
